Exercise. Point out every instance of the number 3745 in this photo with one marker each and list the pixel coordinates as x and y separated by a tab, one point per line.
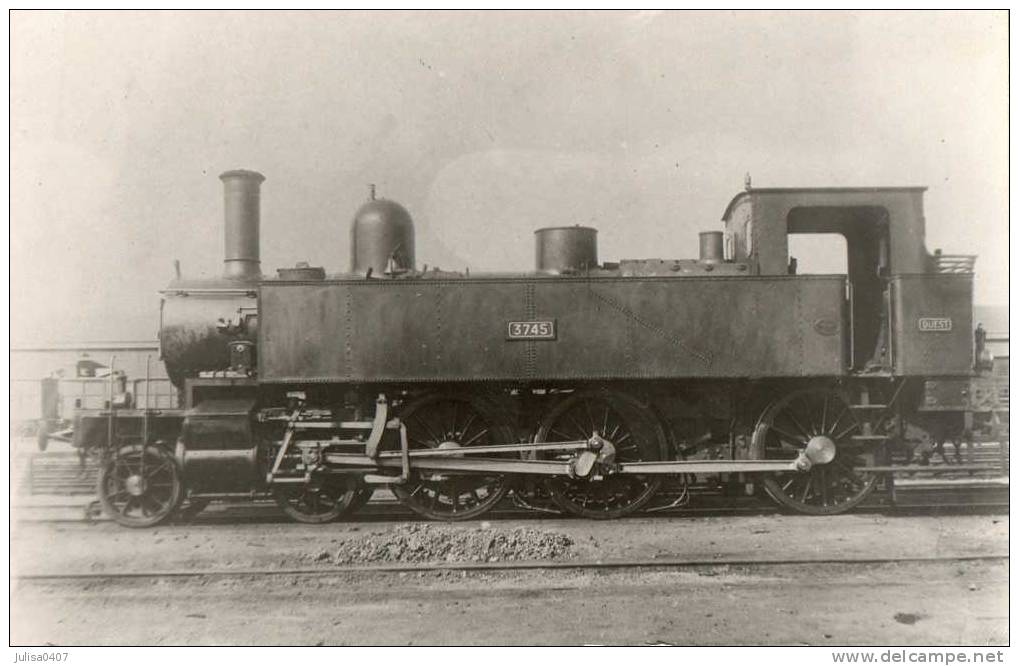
531	330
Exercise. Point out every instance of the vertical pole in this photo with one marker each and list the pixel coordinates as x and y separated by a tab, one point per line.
852	326
110	414
145	411
967	433
889	296
1002	445
404	455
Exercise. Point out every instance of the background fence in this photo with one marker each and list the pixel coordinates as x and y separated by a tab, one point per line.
60	363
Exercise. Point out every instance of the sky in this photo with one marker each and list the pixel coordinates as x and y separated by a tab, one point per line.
486	126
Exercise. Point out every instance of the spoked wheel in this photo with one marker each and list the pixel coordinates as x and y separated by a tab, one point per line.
824	416
323	500
635	433
139	486
444	421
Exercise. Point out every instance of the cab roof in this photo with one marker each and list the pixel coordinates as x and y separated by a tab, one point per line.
848	192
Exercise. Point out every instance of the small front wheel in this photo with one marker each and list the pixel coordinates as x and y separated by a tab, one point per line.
140	486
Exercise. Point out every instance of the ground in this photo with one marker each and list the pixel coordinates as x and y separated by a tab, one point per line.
958	598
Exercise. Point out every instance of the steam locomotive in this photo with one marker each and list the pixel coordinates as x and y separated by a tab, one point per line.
584	385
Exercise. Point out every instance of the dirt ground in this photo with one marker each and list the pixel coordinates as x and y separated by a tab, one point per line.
899	603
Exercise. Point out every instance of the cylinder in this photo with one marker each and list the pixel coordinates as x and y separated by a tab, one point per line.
382	239
711	247
566	249
241	212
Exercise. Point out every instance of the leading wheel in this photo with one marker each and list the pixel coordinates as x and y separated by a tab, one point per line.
322	500
635	433
788	425
444	421
139	486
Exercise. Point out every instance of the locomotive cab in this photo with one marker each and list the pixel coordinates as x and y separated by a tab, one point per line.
865	231
906	312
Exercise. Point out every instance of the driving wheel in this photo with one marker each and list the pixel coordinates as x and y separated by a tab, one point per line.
634	432
823	419
446	421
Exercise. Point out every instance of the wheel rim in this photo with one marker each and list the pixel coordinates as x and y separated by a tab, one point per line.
784	430
634	432
449	421
139	487
320	501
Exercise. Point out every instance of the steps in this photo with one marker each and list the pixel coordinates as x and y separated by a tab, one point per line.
54	473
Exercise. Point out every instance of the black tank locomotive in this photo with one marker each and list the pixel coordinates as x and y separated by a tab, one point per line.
584	384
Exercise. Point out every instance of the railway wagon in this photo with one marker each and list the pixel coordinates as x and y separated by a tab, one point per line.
583	385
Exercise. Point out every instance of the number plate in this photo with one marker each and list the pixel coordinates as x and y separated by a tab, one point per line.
934	324
544	329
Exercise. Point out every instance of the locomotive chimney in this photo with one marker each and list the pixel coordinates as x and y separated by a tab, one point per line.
241	204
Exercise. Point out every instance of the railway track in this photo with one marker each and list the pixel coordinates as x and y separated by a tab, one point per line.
921	501
677	564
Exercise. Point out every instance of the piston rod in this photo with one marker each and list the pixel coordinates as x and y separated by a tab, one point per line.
436	461
707	466
578	445
445	464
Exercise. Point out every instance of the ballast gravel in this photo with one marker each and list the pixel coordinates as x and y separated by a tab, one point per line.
426	542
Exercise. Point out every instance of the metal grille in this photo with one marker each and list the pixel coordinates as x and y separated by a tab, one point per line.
955	263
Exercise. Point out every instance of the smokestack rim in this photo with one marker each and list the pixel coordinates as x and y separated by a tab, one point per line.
241	174
575	226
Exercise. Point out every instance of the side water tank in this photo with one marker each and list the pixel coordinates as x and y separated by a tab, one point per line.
381	238
566	249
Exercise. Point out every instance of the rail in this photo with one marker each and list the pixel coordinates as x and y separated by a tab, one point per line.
523	565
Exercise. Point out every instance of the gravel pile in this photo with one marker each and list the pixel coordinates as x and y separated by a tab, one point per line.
425	542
